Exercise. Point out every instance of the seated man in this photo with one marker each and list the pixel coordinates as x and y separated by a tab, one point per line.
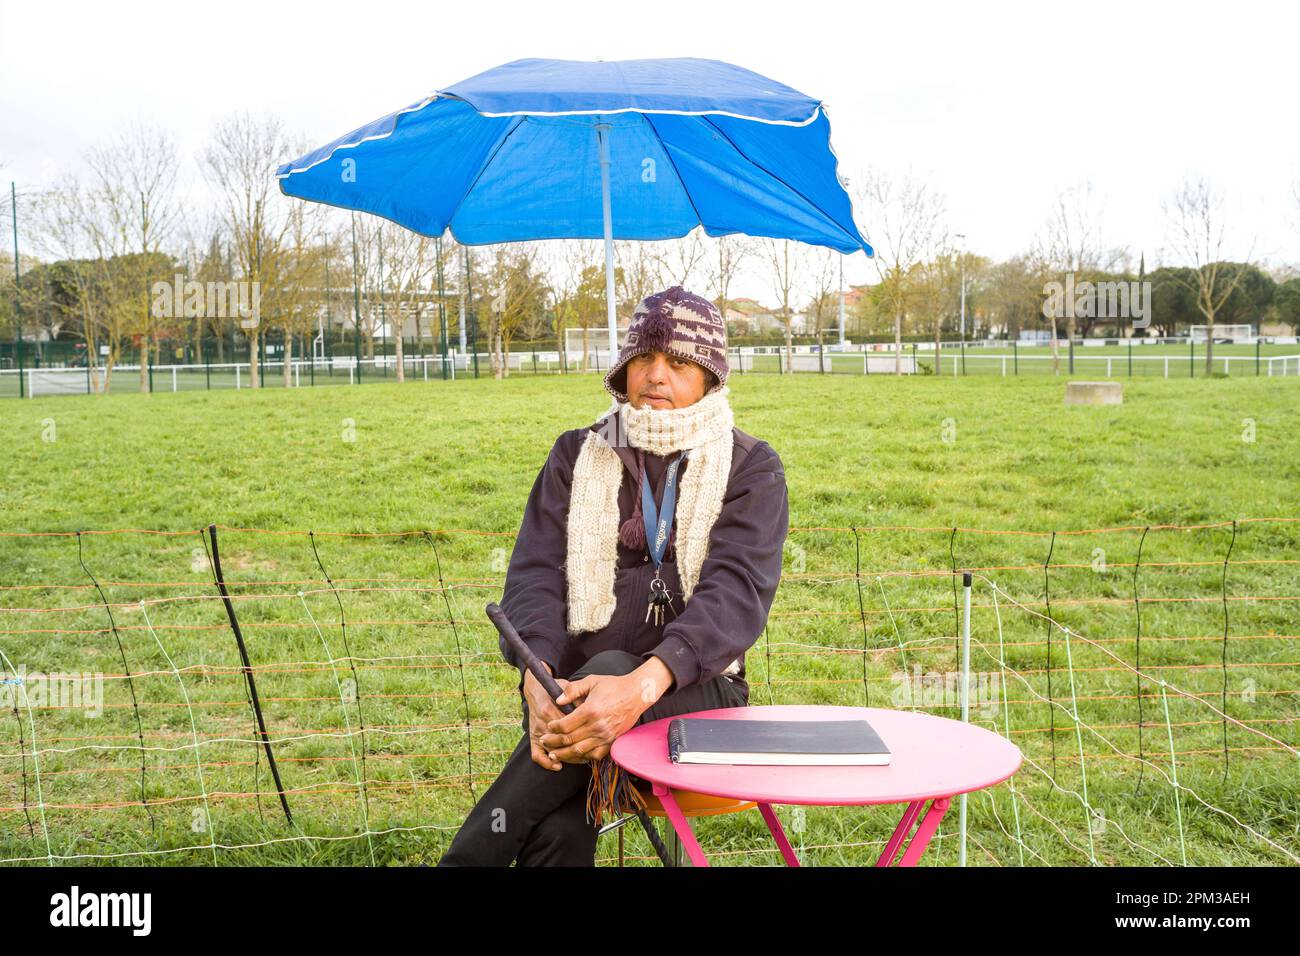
644	569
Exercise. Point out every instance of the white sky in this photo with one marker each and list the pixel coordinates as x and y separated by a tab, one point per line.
1000	104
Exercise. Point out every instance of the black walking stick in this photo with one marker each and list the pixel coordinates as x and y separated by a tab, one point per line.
610	786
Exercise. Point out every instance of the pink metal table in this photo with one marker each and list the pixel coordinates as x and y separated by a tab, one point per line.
934	759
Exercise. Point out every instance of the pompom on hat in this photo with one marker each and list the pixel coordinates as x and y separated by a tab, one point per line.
680	323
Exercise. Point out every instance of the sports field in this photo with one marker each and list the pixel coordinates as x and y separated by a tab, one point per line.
388	705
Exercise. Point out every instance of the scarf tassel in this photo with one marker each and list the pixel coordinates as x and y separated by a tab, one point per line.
632	533
611	792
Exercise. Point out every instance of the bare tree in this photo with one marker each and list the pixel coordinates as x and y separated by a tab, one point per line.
639	273
270	233
65	233
1013	293
200	244
786	261
935	289
730	253
448	256
563	273
364	247
1295	196
296	267
577	303
1071	242
823	286
517	287
681	259
132	195
1198	233
904	220
1073	230
405	286
110	231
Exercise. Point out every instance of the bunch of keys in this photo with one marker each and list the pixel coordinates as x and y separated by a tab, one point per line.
659	599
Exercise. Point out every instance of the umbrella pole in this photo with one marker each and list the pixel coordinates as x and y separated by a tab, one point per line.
602	130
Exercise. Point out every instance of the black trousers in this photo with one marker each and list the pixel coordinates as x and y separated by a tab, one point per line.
538	817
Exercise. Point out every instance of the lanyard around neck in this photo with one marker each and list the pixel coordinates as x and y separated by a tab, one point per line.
659	522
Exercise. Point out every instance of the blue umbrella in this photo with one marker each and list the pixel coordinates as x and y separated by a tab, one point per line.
567	149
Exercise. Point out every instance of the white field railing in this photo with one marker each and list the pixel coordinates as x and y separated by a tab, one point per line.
1116	366
869	360
54	380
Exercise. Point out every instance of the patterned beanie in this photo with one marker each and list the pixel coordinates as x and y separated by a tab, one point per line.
680	323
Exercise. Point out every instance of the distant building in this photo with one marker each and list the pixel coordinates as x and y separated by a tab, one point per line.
746	316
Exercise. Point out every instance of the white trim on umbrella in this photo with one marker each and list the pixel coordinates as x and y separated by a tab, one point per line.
634	109
410	109
631	109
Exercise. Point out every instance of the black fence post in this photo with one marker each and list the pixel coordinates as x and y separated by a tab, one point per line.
248	672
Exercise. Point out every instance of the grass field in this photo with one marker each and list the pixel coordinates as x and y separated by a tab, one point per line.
412	493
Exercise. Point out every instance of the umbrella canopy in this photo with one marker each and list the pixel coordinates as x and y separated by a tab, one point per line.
563	149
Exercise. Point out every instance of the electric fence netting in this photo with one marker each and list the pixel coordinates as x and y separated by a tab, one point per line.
229	696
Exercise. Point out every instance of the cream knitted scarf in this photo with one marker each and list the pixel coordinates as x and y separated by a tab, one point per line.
703	427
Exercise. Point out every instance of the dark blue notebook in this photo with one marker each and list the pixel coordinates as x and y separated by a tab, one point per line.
793	743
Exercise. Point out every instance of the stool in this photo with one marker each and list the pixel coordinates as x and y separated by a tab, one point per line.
692	804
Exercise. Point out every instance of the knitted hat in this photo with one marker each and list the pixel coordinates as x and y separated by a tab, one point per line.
680	323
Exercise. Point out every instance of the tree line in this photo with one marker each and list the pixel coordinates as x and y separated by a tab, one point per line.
123	260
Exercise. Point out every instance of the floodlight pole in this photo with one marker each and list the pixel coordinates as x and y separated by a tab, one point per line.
602	138
18	296
963	298
962	254
356	305
841	300
844	182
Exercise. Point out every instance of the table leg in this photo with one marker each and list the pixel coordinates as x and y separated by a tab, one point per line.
925	831
778	834
921	839
680	824
902	830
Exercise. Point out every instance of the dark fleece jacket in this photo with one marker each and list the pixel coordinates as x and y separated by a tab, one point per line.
729	607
